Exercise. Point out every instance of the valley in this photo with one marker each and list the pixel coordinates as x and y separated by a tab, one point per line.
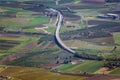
90	28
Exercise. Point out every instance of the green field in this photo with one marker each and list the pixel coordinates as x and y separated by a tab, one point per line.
87	66
117	37
36	58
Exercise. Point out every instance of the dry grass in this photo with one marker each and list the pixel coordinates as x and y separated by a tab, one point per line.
2	68
20	20
2	10
102	70
87	45
36	74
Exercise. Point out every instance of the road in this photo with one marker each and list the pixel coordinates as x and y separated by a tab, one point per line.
57	38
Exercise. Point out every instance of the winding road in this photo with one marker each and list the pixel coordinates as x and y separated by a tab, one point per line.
57	38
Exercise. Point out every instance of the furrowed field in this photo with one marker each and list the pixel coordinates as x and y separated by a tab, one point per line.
19	21
15	19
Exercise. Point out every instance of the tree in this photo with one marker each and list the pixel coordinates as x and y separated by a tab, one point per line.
57	62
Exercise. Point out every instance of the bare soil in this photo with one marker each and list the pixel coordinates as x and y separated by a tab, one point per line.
103	70
19	20
2	10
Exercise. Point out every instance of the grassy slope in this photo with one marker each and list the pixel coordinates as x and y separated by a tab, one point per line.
36	74
87	66
117	37
115	71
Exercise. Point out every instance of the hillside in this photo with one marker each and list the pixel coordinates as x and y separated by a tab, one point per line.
27	39
18	73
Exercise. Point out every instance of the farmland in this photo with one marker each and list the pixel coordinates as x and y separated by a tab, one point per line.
17	45
17	19
92	48
22	41
117	38
18	73
27	39
116	71
82	67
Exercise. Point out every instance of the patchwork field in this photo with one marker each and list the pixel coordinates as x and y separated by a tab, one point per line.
26	39
15	19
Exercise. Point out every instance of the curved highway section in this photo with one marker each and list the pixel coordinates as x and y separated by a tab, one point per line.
57	38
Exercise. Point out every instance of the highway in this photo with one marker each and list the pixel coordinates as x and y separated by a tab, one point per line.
57	38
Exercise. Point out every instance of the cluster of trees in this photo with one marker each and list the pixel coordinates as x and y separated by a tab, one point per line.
113	64
1	28
63	60
24	33
89	56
